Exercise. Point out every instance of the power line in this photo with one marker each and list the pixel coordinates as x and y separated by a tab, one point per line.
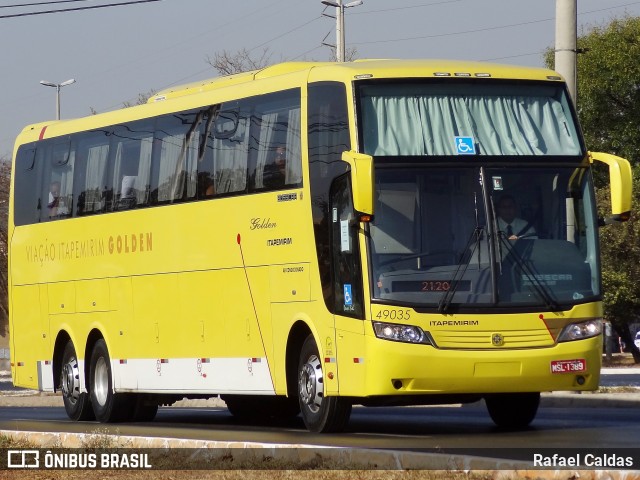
285	33
76	9
477	30
422	37
366	12
39	3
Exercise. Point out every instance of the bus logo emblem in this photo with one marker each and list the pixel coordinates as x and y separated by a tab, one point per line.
497	339
465	146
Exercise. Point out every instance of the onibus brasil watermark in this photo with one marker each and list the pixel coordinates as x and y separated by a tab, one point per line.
36	459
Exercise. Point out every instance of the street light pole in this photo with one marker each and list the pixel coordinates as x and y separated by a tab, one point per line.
57	86
340	37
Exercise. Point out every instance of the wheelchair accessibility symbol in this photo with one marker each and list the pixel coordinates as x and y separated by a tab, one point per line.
348	298
465	146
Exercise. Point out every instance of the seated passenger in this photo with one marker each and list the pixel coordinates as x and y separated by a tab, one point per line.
275	173
128	198
55	203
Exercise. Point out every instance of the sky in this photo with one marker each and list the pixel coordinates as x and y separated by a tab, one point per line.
116	53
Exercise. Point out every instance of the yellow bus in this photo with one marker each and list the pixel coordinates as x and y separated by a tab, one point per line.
309	237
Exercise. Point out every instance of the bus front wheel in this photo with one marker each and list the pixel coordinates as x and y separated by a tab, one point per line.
320	413
108	406
76	403
513	410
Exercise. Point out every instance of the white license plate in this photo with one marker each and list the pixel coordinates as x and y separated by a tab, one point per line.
569	366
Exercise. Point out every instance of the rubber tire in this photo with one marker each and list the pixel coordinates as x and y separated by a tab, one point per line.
80	409
513	410
115	407
259	407
332	413
144	410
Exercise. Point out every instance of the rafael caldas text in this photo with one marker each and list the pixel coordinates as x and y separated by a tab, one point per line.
582	460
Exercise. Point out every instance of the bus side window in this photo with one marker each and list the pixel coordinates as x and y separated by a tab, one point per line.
276	157
205	177
230	147
131	152
91	165
347	281
177	142
28	176
58	186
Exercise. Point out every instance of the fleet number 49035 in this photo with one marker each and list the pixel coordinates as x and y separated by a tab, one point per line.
394	314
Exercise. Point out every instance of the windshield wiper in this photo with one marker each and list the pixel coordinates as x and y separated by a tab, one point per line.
463	264
521	263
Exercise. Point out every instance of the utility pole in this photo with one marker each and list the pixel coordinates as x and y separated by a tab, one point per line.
340	42
567	44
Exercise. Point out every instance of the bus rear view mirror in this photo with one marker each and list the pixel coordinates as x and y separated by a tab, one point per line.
620	179
362	180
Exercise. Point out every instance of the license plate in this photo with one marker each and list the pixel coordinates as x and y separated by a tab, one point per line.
569	366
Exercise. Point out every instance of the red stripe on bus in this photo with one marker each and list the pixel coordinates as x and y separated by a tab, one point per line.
42	132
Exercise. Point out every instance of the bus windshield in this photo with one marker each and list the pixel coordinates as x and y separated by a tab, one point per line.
426	118
438	239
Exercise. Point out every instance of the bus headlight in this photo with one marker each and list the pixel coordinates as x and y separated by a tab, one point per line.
582	330
401	333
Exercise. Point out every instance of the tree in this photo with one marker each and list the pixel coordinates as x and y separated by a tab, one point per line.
609	87
5	181
621	266
350	54
141	100
228	63
608	99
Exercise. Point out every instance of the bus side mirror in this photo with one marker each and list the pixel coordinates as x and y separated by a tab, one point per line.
362	180
620	179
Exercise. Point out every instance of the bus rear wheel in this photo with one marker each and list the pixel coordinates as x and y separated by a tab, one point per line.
320	413
108	406
77	404
513	410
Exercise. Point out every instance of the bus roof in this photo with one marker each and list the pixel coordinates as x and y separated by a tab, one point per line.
291	73
366	69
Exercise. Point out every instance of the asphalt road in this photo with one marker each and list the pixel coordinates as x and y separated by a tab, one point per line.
410	428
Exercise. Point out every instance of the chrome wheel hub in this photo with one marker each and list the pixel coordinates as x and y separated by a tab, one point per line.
311	384
70	380
101	381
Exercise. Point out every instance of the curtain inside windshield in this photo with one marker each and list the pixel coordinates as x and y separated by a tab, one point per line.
499	119
438	239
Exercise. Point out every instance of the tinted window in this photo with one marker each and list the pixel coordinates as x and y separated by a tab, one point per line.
328	135
57	193
276	156
92	159
27	173
131	149
183	156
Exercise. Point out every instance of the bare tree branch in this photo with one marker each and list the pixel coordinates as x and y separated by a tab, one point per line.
228	63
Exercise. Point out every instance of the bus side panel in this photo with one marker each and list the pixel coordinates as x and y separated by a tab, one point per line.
195	332
351	356
29	336
155	325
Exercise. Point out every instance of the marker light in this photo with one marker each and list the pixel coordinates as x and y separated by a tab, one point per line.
582	330
401	333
